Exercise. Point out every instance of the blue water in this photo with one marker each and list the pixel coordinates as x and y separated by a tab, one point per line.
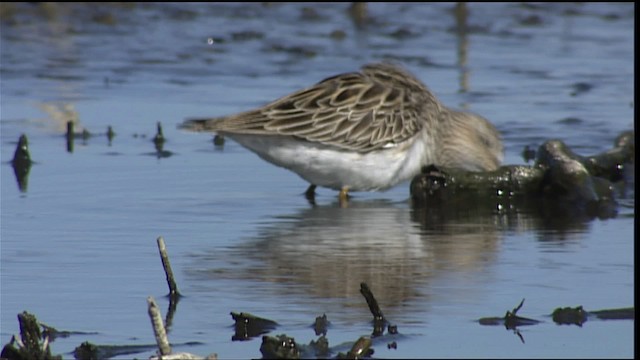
78	248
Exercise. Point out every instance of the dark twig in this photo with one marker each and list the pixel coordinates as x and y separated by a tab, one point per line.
379	320
372	302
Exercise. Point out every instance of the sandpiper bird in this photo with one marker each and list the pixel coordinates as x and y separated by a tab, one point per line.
362	131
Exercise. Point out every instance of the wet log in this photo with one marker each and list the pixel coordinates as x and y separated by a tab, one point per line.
90	351
578	316
569	181
615	314
613	164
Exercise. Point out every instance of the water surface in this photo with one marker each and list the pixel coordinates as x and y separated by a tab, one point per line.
78	246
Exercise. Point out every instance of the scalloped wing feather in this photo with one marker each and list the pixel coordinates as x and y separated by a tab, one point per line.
381	106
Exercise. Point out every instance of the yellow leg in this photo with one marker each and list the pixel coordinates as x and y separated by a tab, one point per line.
343	196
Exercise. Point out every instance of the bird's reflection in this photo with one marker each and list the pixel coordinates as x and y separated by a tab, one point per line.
326	251
404	254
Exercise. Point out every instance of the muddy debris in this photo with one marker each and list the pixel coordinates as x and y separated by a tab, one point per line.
248	326
361	349
32	343
279	347
321	325
218	141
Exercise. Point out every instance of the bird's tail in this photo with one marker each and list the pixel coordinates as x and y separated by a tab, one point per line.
208	124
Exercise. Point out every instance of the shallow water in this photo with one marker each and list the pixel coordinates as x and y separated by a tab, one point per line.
78	246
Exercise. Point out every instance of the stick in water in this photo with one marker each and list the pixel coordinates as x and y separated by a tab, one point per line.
372	302
158	327
173	288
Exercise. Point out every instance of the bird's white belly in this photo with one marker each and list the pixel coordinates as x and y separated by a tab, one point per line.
334	168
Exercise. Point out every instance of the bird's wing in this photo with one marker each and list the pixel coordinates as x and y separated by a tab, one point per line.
378	107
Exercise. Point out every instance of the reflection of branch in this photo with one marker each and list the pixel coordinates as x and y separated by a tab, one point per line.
173	305
461	13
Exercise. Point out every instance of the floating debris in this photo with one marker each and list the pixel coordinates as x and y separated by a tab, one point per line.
218	140
320	325
110	134
511	321
569	315
89	351
158	142
159	138
248	326
578	316
22	163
